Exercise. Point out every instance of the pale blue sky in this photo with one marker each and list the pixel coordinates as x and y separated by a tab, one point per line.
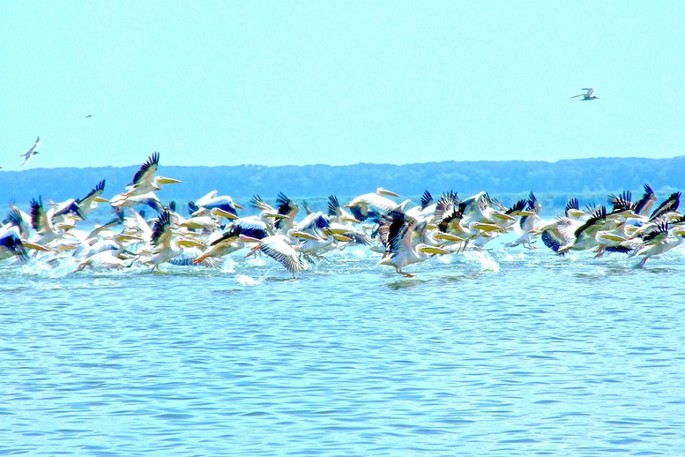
304	82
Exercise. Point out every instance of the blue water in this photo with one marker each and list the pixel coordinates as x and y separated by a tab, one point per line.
507	352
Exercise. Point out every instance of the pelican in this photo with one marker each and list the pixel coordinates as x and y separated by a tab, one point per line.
587	95
425	211
230	240
644	206
108	254
528	224
372	204
41	222
670	205
89	203
658	241
396	230
10	243
164	246
141	189
283	216
145	180
213	201
282	248
570	234
28	155
337	214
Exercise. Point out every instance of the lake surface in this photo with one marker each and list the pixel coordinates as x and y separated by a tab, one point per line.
505	352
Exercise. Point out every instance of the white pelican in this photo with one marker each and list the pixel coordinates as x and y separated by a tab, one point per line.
164	245
283	216
124	200
230	240
145	179
108	254
528	224
425	211
28	155
669	205
396	232
10	243
41	221
142	188
575	235
373	204
337	214
281	248
658	241
643	207
213	201
89	203
587	95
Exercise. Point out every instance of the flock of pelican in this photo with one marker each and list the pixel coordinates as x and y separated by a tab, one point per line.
295	236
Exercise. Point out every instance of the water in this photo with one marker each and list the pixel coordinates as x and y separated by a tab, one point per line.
507	352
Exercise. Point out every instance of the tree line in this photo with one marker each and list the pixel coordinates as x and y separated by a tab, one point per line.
596	176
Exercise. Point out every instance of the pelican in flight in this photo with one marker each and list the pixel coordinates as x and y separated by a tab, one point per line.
662	238
145	180
164	245
142	187
28	155
284	249
396	230
374	203
10	243
587	95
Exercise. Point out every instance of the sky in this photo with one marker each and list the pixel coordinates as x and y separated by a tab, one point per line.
338	82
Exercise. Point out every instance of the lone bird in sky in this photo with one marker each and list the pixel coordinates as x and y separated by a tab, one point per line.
588	95
31	152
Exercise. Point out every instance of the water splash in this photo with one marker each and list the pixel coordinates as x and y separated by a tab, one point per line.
487	262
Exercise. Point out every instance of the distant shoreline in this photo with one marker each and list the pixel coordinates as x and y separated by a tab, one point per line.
598	176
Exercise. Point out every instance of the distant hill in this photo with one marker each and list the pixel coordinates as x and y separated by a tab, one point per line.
580	176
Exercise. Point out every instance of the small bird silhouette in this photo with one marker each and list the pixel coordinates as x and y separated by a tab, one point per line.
88	115
31	152
587	95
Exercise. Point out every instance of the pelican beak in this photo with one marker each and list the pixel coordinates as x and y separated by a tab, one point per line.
124	238
100	200
304	235
248	239
225	214
433	250
526	212
576	213
613	237
165	180
275	216
341	237
189	243
384	191
238	206
503	216
447	237
486	227
350	219
34	246
336	231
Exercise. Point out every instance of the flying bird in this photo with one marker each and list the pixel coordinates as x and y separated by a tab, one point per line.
588	95
31	152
